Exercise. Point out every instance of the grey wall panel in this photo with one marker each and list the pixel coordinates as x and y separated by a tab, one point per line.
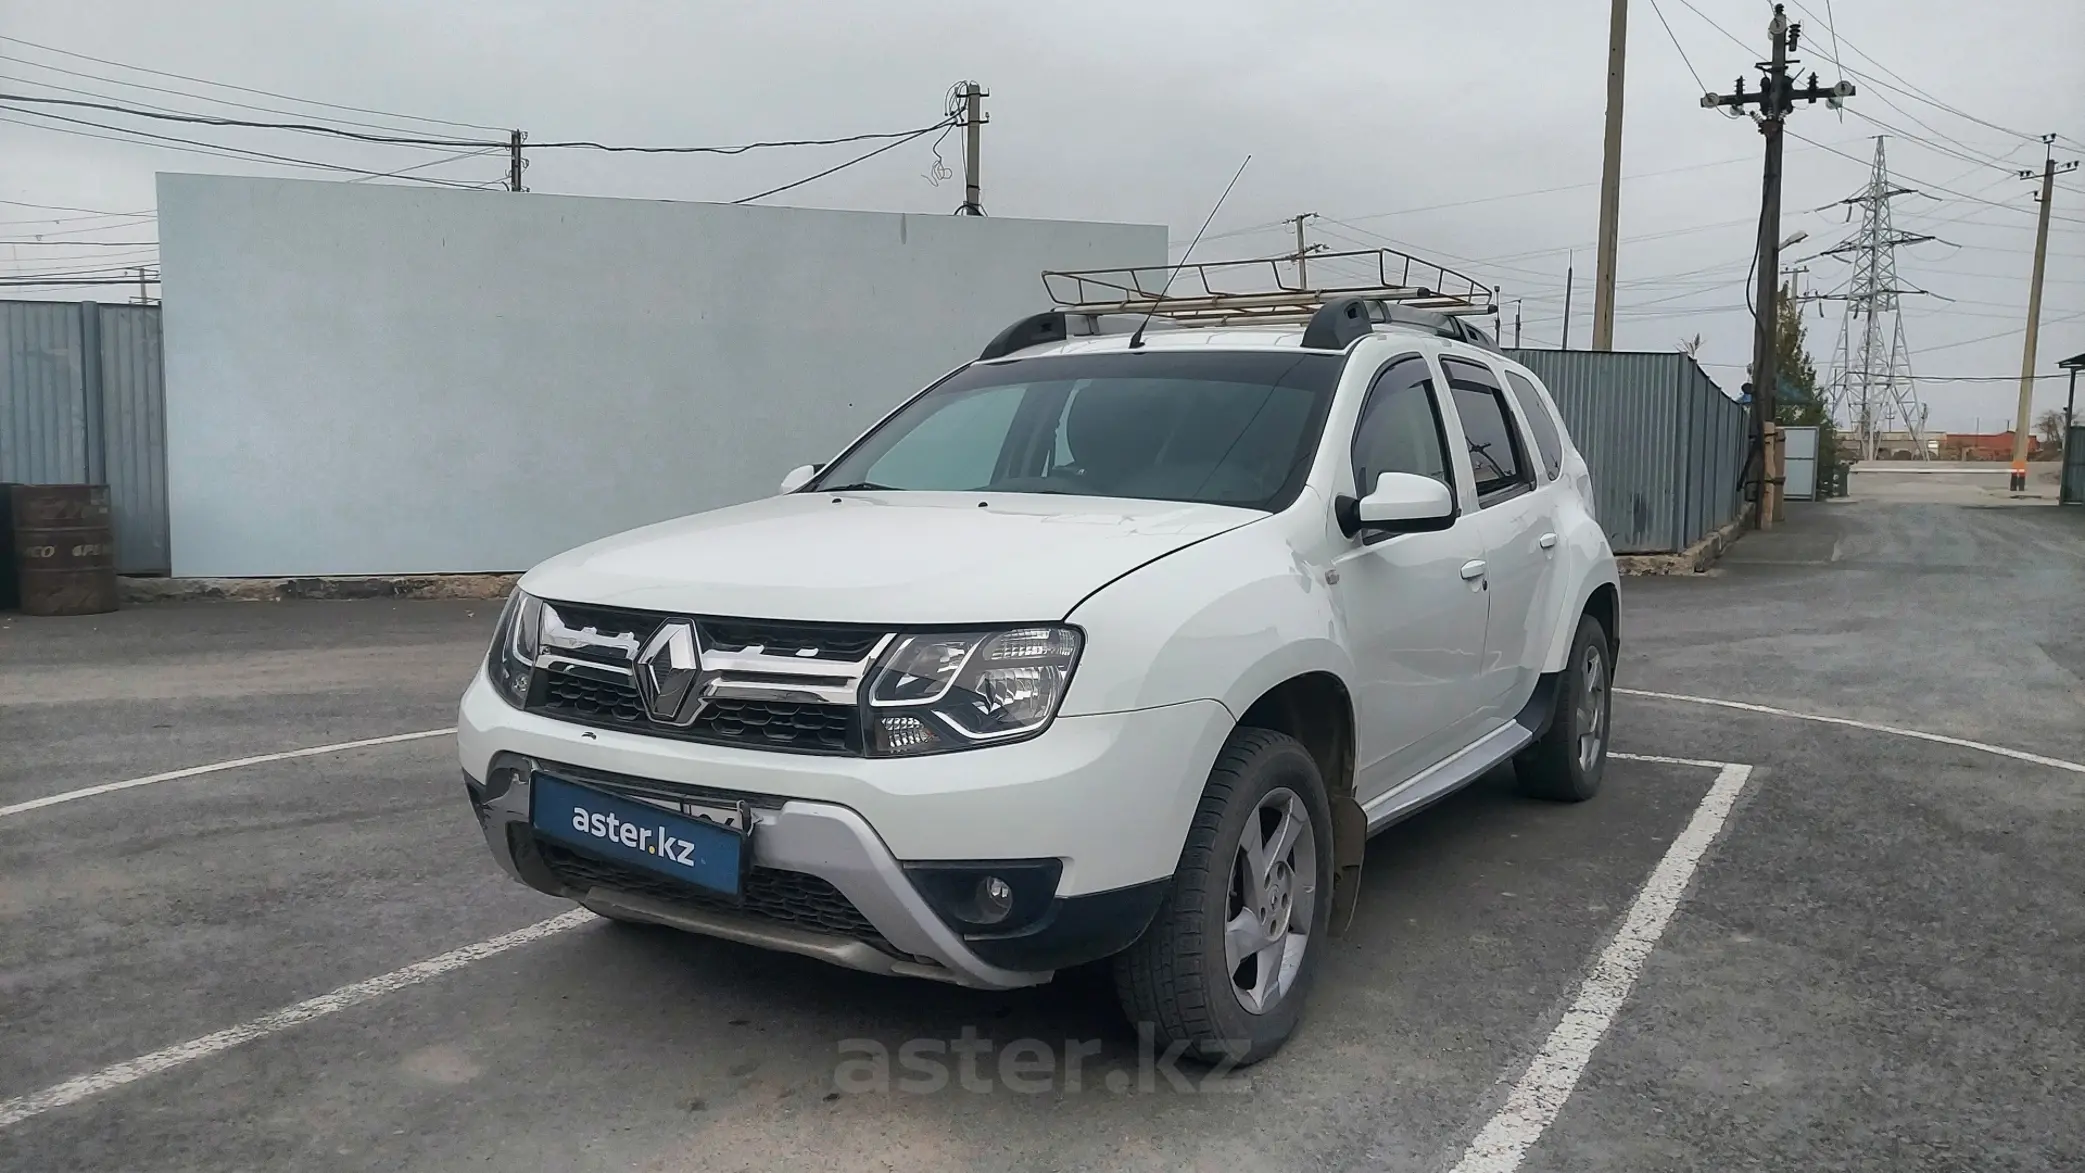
133	413
43	421
383	379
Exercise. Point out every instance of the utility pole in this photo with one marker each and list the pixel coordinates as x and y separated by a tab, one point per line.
1795	281
144	294
1570	280
1610	181
973	128
1776	97
2034	307
514	160
1516	323
1303	250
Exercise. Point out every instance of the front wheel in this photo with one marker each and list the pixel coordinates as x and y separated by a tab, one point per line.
1566	764
1227	962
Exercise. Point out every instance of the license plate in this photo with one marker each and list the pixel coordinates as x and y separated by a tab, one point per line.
639	835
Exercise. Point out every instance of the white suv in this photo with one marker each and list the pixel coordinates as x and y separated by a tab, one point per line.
1112	644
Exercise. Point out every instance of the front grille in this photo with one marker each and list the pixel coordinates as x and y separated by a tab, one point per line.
769	894
594	698
785	725
810	640
824	728
595	702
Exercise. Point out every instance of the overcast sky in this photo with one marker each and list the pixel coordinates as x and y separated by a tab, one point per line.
1422	124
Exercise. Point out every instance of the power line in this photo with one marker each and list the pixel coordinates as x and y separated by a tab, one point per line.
166	114
212	120
63	282
244	89
1674	37
1966	155
1733	37
1913	91
91	212
35	243
1938	187
217	149
133	85
849	163
742	148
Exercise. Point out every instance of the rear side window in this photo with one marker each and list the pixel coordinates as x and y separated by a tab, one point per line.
1536	410
1495	455
1400	428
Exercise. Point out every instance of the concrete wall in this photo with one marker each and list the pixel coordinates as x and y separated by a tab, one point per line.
366	379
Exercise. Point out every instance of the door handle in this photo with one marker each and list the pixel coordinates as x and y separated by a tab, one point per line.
1473	569
1549	541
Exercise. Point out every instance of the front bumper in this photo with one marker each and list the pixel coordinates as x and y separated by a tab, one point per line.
1110	796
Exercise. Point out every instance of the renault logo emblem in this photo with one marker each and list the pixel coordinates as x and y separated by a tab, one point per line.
669	673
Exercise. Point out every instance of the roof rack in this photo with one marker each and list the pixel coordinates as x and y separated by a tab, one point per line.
1217	293
1423	296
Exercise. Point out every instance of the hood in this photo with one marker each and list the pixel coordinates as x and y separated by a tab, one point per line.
876	557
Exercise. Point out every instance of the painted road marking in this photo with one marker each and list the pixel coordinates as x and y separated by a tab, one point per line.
72	1091
1535	1100
215	767
1941	738
1665	761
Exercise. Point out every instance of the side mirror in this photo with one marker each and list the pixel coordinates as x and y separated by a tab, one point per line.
1402	503
799	477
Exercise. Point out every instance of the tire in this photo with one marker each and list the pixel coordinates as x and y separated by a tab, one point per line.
1566	764
1177	980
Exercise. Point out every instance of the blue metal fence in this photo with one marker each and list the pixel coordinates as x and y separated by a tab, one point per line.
81	402
1665	444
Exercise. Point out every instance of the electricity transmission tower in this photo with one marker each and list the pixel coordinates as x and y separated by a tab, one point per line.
1871	385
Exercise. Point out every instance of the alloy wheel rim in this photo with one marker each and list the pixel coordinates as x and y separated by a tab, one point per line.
1273	895
1592	708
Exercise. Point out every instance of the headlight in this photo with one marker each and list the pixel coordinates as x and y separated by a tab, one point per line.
939	691
515	643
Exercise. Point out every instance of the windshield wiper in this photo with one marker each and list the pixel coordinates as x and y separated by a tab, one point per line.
859	486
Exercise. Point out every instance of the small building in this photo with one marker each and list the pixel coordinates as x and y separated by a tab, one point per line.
1985	446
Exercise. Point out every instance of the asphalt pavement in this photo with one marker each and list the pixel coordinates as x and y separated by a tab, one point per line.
1874	967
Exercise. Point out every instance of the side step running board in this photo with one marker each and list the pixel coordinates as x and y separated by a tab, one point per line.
1460	769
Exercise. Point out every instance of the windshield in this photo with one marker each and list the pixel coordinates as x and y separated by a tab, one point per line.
1231	428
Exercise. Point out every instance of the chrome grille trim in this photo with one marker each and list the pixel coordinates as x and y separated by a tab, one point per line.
603	646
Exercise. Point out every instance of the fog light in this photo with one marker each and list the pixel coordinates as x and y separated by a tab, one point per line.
995	898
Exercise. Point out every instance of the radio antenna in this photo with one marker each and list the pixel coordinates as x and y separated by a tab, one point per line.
1136	340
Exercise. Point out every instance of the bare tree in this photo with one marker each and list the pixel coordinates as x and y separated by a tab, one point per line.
2049	426
1691	347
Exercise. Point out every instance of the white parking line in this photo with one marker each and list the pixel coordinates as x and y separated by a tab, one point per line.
212	768
72	1091
1920	734
1665	761
1504	1141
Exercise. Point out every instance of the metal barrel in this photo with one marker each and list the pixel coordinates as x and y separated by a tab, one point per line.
64	549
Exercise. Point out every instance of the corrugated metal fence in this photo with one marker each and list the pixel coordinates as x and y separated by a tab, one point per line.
81	402
1665	444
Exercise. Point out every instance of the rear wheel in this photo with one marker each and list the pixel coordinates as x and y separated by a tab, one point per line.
1566	764
1227	962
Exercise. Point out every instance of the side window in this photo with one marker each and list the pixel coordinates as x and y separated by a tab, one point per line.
1495	453
1533	406
1400	428
954	449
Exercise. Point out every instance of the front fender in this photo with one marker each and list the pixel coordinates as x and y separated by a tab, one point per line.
1225	619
